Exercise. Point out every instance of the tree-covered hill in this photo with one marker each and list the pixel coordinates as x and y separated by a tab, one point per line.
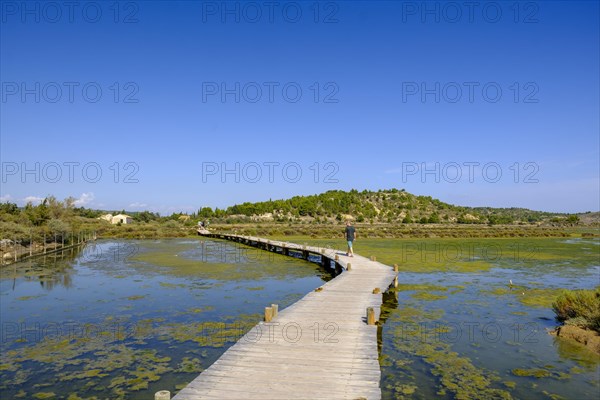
383	206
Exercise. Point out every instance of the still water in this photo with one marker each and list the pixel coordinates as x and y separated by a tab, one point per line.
124	319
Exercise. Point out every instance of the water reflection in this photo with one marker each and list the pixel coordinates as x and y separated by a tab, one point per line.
50	271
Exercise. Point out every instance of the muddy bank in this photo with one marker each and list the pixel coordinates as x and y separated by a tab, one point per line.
586	337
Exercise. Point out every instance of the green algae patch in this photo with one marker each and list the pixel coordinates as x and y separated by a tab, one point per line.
255	288
534	372
44	395
540	373
172	285
510	384
198	310
406	389
428	296
532	297
190	365
419	286
92	373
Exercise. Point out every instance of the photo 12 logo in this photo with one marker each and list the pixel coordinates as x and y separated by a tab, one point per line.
53	12
468	171
253	12
68	171
469	92
452	12
269	171
69	92
269	92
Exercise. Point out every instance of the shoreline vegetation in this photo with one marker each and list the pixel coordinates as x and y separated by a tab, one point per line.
579	311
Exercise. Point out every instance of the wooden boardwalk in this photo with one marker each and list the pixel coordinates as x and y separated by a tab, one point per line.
321	347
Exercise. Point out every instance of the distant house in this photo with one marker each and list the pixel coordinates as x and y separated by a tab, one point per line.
121	218
115	219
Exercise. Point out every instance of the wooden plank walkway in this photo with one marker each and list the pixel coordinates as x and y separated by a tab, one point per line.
321	347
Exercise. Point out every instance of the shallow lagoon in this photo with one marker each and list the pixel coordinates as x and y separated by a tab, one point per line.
124	319
456	328
159	312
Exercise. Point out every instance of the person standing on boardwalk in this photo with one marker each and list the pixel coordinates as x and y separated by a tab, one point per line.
350	236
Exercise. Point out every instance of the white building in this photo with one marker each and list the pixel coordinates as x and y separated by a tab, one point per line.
122	218
115	219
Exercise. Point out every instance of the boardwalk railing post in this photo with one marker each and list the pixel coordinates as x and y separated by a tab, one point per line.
162	395
370	316
275	308
396	281
376	290
268	314
348	267
395	267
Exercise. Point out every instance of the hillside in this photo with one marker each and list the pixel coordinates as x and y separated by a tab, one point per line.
384	206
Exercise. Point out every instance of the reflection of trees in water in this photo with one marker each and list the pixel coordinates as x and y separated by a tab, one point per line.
50	271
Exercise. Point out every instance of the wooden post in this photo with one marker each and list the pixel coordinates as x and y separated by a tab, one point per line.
348	267
396	281
337	258
373	258
275	308
376	290
395	267
370	316
162	395
268	314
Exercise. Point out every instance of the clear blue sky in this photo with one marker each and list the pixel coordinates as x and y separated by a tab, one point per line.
389	91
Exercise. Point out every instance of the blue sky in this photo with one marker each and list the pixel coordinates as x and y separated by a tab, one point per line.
172	106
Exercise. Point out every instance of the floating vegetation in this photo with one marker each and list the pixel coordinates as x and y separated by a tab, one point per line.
533	297
540	373
44	395
428	296
456	374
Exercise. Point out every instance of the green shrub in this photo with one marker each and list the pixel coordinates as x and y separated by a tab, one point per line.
579	307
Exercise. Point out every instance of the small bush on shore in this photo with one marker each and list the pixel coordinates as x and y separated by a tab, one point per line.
579	307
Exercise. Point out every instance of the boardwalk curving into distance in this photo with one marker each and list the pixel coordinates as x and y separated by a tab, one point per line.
320	347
